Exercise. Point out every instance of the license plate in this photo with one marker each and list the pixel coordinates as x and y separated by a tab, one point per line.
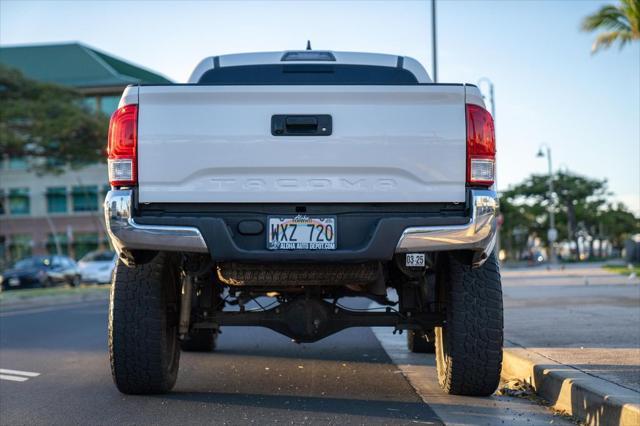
14	282
301	233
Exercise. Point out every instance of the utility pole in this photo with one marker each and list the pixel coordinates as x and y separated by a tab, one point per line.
56	240
552	234
434	47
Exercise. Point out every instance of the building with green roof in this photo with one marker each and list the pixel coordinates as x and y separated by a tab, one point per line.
98	75
61	213
77	65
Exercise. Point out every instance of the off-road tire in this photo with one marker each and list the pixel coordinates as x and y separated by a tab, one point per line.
469	345
144	349
200	340
421	342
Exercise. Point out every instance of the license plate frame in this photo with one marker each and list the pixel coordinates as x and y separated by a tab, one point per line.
302	230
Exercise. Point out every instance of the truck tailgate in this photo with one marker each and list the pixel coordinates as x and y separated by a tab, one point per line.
214	144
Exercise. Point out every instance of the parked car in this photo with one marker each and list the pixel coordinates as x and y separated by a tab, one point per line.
306	176
534	257
41	271
97	266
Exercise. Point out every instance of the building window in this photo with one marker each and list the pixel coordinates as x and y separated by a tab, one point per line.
63	243
4	255
19	201
85	198
57	199
19	246
84	242
91	103
18	163
103	193
105	242
54	162
108	104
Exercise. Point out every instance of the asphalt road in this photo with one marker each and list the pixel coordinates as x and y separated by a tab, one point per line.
256	376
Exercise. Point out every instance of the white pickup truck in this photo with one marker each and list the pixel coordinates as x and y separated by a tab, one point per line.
304	177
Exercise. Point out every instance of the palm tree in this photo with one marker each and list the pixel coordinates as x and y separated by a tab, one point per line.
621	23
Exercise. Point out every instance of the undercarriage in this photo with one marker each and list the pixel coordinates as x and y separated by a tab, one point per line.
309	320
306	301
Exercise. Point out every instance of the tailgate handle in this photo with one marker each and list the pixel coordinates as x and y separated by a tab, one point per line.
301	125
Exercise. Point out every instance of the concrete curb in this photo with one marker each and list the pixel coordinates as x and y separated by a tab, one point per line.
592	400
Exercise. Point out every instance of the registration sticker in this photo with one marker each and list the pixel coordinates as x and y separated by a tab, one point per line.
415	259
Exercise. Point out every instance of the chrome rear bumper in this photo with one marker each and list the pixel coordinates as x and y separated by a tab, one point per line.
125	233
478	235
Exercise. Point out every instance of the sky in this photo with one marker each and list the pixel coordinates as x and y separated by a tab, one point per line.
549	88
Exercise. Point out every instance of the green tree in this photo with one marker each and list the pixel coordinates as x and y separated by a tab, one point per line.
520	220
618	23
618	224
576	202
580	205
48	123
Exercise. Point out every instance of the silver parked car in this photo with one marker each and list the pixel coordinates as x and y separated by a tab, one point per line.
97	266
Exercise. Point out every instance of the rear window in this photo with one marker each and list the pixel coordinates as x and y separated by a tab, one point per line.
99	256
32	262
308	75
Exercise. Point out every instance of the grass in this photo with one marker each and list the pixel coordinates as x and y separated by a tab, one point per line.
13	295
623	269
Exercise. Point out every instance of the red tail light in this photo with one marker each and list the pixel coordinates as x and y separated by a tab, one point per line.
123	146
481	146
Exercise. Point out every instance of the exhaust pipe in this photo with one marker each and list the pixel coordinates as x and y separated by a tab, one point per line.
185	306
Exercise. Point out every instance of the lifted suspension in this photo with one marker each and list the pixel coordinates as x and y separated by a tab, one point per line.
309	320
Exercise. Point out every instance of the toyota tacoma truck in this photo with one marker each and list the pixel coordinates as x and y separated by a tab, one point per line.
305	177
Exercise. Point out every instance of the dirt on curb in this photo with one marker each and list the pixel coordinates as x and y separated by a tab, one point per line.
518	388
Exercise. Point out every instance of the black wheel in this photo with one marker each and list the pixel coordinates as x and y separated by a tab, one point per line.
144	349
200	340
469	346
421	342
75	281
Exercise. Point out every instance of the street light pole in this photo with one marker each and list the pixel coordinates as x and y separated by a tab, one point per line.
434	48
553	233
492	99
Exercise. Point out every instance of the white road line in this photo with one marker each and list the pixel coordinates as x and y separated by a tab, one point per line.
19	373
13	378
420	372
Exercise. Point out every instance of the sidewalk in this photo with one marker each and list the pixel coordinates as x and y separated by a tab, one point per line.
581	325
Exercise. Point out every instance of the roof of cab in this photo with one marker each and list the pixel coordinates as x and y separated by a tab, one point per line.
348	58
